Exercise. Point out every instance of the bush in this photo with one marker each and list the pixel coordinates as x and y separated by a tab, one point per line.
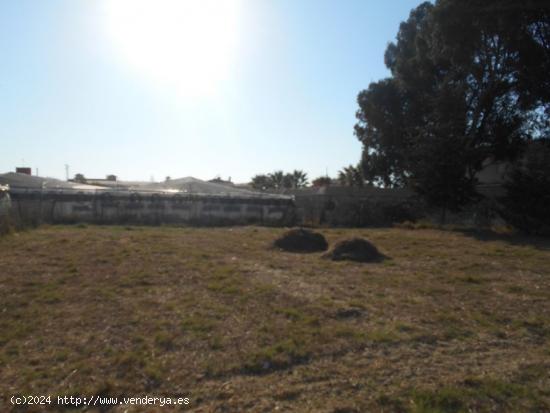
526	203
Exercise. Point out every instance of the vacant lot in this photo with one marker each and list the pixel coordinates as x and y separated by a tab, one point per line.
449	322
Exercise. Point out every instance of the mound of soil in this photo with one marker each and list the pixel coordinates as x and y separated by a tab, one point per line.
355	249
301	240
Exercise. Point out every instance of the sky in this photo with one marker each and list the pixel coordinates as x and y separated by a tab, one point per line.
146	89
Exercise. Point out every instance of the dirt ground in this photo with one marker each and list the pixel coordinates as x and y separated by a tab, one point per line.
448	322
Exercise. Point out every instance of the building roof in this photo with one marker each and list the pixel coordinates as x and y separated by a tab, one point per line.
187	185
23	181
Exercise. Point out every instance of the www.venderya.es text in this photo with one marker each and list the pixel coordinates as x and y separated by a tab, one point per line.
77	401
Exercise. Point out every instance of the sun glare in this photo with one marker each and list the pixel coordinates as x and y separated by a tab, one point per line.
185	44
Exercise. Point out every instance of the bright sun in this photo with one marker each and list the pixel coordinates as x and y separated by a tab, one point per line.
186	44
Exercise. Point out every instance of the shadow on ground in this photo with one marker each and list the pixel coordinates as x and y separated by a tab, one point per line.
539	242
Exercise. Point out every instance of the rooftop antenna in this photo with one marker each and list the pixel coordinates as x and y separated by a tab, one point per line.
67	171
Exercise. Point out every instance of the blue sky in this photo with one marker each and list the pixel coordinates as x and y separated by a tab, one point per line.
283	98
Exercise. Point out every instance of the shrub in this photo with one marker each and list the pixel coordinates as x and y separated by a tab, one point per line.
526	203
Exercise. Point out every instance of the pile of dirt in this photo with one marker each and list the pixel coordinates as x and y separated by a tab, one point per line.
301	240
354	249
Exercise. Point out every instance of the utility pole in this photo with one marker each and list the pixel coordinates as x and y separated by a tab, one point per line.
67	171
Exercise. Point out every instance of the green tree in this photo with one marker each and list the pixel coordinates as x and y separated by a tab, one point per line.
280	180
261	182
351	176
288	181
468	82
277	179
298	179
80	178
321	181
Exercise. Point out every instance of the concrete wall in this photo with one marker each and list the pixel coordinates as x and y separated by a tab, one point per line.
149	208
368	206
355	206
331	206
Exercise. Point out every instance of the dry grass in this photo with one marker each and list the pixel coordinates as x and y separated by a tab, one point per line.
449	323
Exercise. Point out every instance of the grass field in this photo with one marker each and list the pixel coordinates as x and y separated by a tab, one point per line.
450	322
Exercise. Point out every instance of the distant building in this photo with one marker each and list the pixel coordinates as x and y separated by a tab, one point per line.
23	170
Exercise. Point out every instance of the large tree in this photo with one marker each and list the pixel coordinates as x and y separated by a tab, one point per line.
469	81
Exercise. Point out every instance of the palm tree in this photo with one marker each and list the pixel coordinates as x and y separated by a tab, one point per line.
351	176
299	179
277	179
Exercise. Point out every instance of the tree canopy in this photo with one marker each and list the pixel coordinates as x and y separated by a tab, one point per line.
280	180
351	176
469	81
321	181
